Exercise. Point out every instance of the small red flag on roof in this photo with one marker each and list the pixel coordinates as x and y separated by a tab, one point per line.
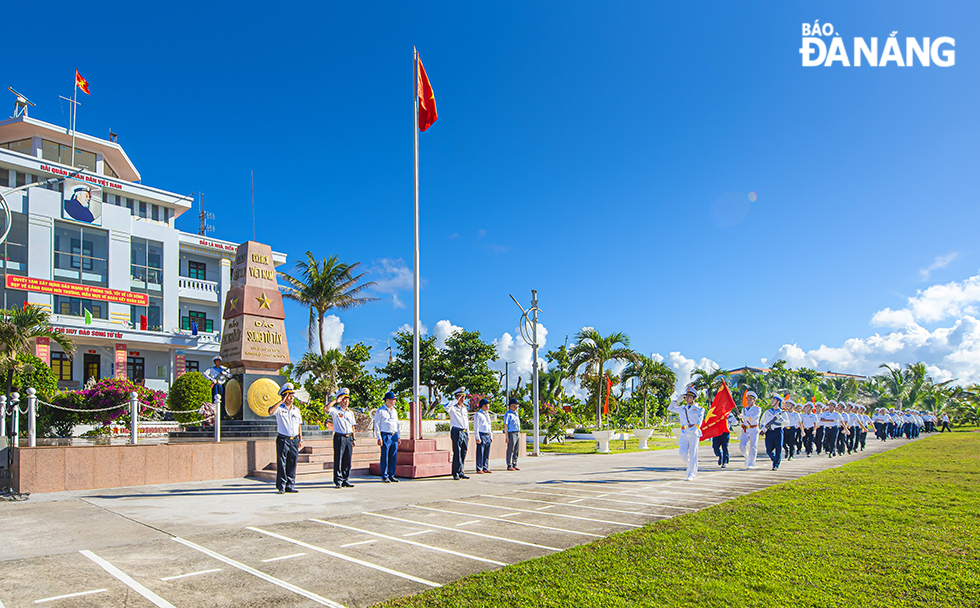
81	83
426	98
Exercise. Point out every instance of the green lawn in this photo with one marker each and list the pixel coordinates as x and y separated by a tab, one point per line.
896	529
588	446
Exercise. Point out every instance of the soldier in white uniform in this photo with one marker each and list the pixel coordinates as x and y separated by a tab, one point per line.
344	425
808	421
792	428
691	416
459	430
772	422
749	441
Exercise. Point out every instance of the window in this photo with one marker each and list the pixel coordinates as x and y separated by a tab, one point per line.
155	213
142	209
146	265
193	366
24	146
4	178
61	153
61	366
129	205
197	270
81	254
76	307
153	314
203	322
107	170
13	251
24	178
136	368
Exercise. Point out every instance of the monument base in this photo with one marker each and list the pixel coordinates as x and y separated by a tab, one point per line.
419	458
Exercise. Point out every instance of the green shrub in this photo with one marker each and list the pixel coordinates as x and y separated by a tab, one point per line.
442	427
313	412
187	393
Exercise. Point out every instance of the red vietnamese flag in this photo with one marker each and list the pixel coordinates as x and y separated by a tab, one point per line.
426	98
81	83
716	422
605	409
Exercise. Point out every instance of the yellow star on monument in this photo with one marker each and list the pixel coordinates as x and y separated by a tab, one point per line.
234	303
264	301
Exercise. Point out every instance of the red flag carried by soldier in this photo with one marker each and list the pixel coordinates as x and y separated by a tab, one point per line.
716	421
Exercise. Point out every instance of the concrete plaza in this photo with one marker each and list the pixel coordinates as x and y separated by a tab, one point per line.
239	543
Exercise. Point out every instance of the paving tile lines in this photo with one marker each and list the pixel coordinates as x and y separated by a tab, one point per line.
469	532
66	596
346	558
568	504
417	533
598	521
276	559
511	521
262	575
127	580
466	523
190	574
627	502
363	542
412	542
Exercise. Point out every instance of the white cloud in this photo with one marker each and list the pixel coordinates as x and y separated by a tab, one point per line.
941	261
893	318
443	330
513	349
946	301
332	332
948	352
683	367
410	328
392	276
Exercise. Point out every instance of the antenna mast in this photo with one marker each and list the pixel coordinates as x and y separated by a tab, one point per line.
203	228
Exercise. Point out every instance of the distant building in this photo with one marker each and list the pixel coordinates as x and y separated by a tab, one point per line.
106	244
735	373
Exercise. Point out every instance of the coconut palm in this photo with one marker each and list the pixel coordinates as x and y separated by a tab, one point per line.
593	351
18	328
652	377
323	285
839	389
708	381
894	385
324	369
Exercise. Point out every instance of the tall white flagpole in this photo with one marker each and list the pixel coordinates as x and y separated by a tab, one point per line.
416	422
74	114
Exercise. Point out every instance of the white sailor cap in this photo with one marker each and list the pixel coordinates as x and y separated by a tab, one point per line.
286	389
342	392
459	391
751	394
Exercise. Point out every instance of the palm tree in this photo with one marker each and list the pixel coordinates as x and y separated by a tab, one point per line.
592	351
651	376
18	327
839	389
706	381
324	369
325	284
894	384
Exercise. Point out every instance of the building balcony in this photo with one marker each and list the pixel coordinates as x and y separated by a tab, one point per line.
197	289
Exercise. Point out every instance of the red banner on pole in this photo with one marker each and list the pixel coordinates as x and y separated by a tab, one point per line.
42	349
605	409
121	355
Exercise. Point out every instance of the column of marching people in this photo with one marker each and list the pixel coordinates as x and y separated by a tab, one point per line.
794	430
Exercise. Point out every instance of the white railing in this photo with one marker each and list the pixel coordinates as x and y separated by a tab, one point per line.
197	285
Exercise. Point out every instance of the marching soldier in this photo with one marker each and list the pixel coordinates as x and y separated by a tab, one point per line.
749	441
808	421
772	422
691	416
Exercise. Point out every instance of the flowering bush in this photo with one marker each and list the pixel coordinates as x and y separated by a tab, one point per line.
110	392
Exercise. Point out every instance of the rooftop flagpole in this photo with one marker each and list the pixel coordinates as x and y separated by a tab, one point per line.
74	113
416	411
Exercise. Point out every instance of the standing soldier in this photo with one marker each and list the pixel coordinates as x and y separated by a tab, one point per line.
343	437
459	430
772	421
749	441
691	416
482	432
387	432
289	440
218	374
512	427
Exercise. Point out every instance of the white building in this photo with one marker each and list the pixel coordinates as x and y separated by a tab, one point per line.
105	243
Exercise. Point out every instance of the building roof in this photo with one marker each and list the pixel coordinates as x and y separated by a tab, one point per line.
22	127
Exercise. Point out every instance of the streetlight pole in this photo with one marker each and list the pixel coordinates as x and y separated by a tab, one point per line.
530	336
507	380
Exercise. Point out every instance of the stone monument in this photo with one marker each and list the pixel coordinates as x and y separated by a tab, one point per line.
253	340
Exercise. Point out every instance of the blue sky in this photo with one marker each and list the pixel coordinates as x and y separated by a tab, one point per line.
580	150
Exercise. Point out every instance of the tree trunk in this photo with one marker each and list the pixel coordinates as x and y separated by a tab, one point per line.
319	331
